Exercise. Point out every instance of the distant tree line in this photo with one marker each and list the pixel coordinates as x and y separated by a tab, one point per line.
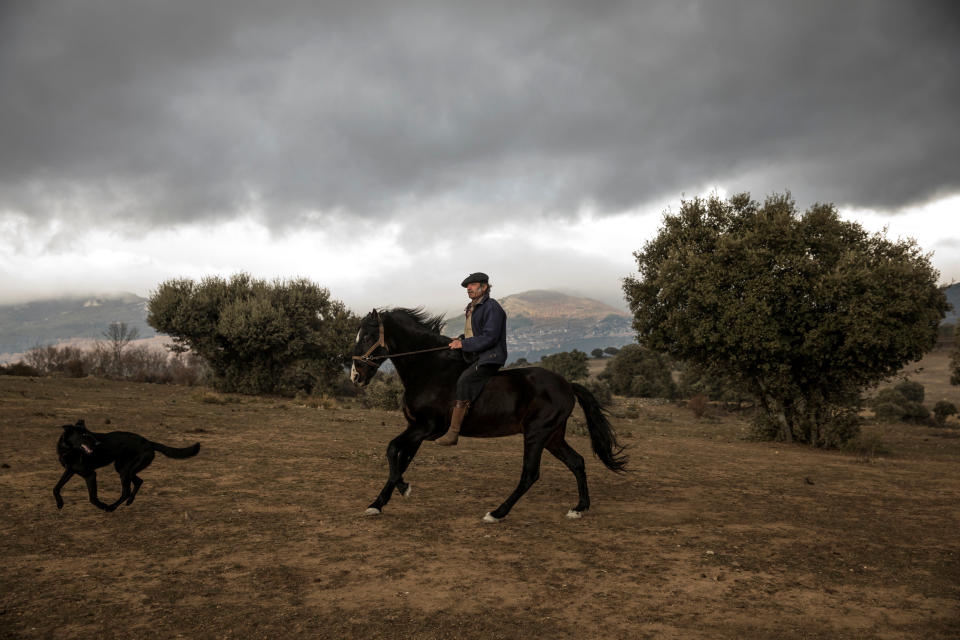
116	358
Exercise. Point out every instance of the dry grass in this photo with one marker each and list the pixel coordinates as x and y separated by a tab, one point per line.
261	535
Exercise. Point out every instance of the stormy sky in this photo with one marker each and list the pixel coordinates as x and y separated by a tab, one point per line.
387	149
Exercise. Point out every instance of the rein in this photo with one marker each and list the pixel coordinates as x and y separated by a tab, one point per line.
369	359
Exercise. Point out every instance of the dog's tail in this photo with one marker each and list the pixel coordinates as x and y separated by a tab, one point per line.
173	452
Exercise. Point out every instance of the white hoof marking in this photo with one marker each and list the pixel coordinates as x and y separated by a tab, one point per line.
574	515
490	518
372	511
406	494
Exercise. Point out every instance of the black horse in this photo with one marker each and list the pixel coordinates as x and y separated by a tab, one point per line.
532	401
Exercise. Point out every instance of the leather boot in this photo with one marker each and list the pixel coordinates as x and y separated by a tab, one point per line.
453	433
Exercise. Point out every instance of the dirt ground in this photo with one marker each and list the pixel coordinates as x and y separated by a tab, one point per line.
262	534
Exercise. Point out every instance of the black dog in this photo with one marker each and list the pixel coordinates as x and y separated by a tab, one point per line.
82	452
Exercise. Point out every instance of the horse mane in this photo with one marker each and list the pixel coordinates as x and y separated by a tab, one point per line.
432	324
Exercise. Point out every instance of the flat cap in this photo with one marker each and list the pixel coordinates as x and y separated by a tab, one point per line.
482	278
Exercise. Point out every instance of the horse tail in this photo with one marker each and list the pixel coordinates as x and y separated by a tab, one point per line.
174	452
602	438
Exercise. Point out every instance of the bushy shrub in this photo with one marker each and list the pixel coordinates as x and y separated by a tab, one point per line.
888	411
600	390
138	363
943	410
383	392
18	369
912	391
257	336
572	365
343	387
865	448
892	405
49	359
639	372
698	404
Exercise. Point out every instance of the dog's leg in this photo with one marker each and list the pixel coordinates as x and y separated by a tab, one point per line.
67	474
136	487
128	475
92	490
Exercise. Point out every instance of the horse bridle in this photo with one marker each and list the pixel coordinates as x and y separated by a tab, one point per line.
366	358
370	360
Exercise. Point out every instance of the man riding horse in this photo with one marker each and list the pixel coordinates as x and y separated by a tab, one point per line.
483	344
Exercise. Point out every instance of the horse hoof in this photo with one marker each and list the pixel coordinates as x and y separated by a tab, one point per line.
372	511
490	518
574	515
406	494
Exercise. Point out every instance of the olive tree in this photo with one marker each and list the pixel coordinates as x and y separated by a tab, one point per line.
257	336
803	310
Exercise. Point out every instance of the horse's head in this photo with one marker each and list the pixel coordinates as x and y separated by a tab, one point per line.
369	343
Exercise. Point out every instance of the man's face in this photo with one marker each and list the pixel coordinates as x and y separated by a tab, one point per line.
474	290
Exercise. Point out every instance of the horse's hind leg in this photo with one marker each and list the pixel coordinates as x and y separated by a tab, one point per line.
574	461
532	452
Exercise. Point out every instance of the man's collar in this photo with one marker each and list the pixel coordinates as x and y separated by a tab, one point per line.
477	302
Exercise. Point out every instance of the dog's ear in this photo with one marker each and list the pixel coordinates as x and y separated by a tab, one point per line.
67	427
81	423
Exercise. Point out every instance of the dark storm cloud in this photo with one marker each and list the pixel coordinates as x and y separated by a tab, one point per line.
156	113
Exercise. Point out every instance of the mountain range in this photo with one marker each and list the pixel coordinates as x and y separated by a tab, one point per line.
542	322
23	326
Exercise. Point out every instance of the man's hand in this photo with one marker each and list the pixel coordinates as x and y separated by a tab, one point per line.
456	344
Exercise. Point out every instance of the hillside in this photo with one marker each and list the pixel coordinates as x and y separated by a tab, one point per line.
544	305
23	326
544	322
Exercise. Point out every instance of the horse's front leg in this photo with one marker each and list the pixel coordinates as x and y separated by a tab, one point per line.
532	452
404	458
400	453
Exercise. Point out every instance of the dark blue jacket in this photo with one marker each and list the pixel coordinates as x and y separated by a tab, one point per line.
489	342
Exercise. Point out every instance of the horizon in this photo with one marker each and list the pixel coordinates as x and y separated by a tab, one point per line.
454	309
